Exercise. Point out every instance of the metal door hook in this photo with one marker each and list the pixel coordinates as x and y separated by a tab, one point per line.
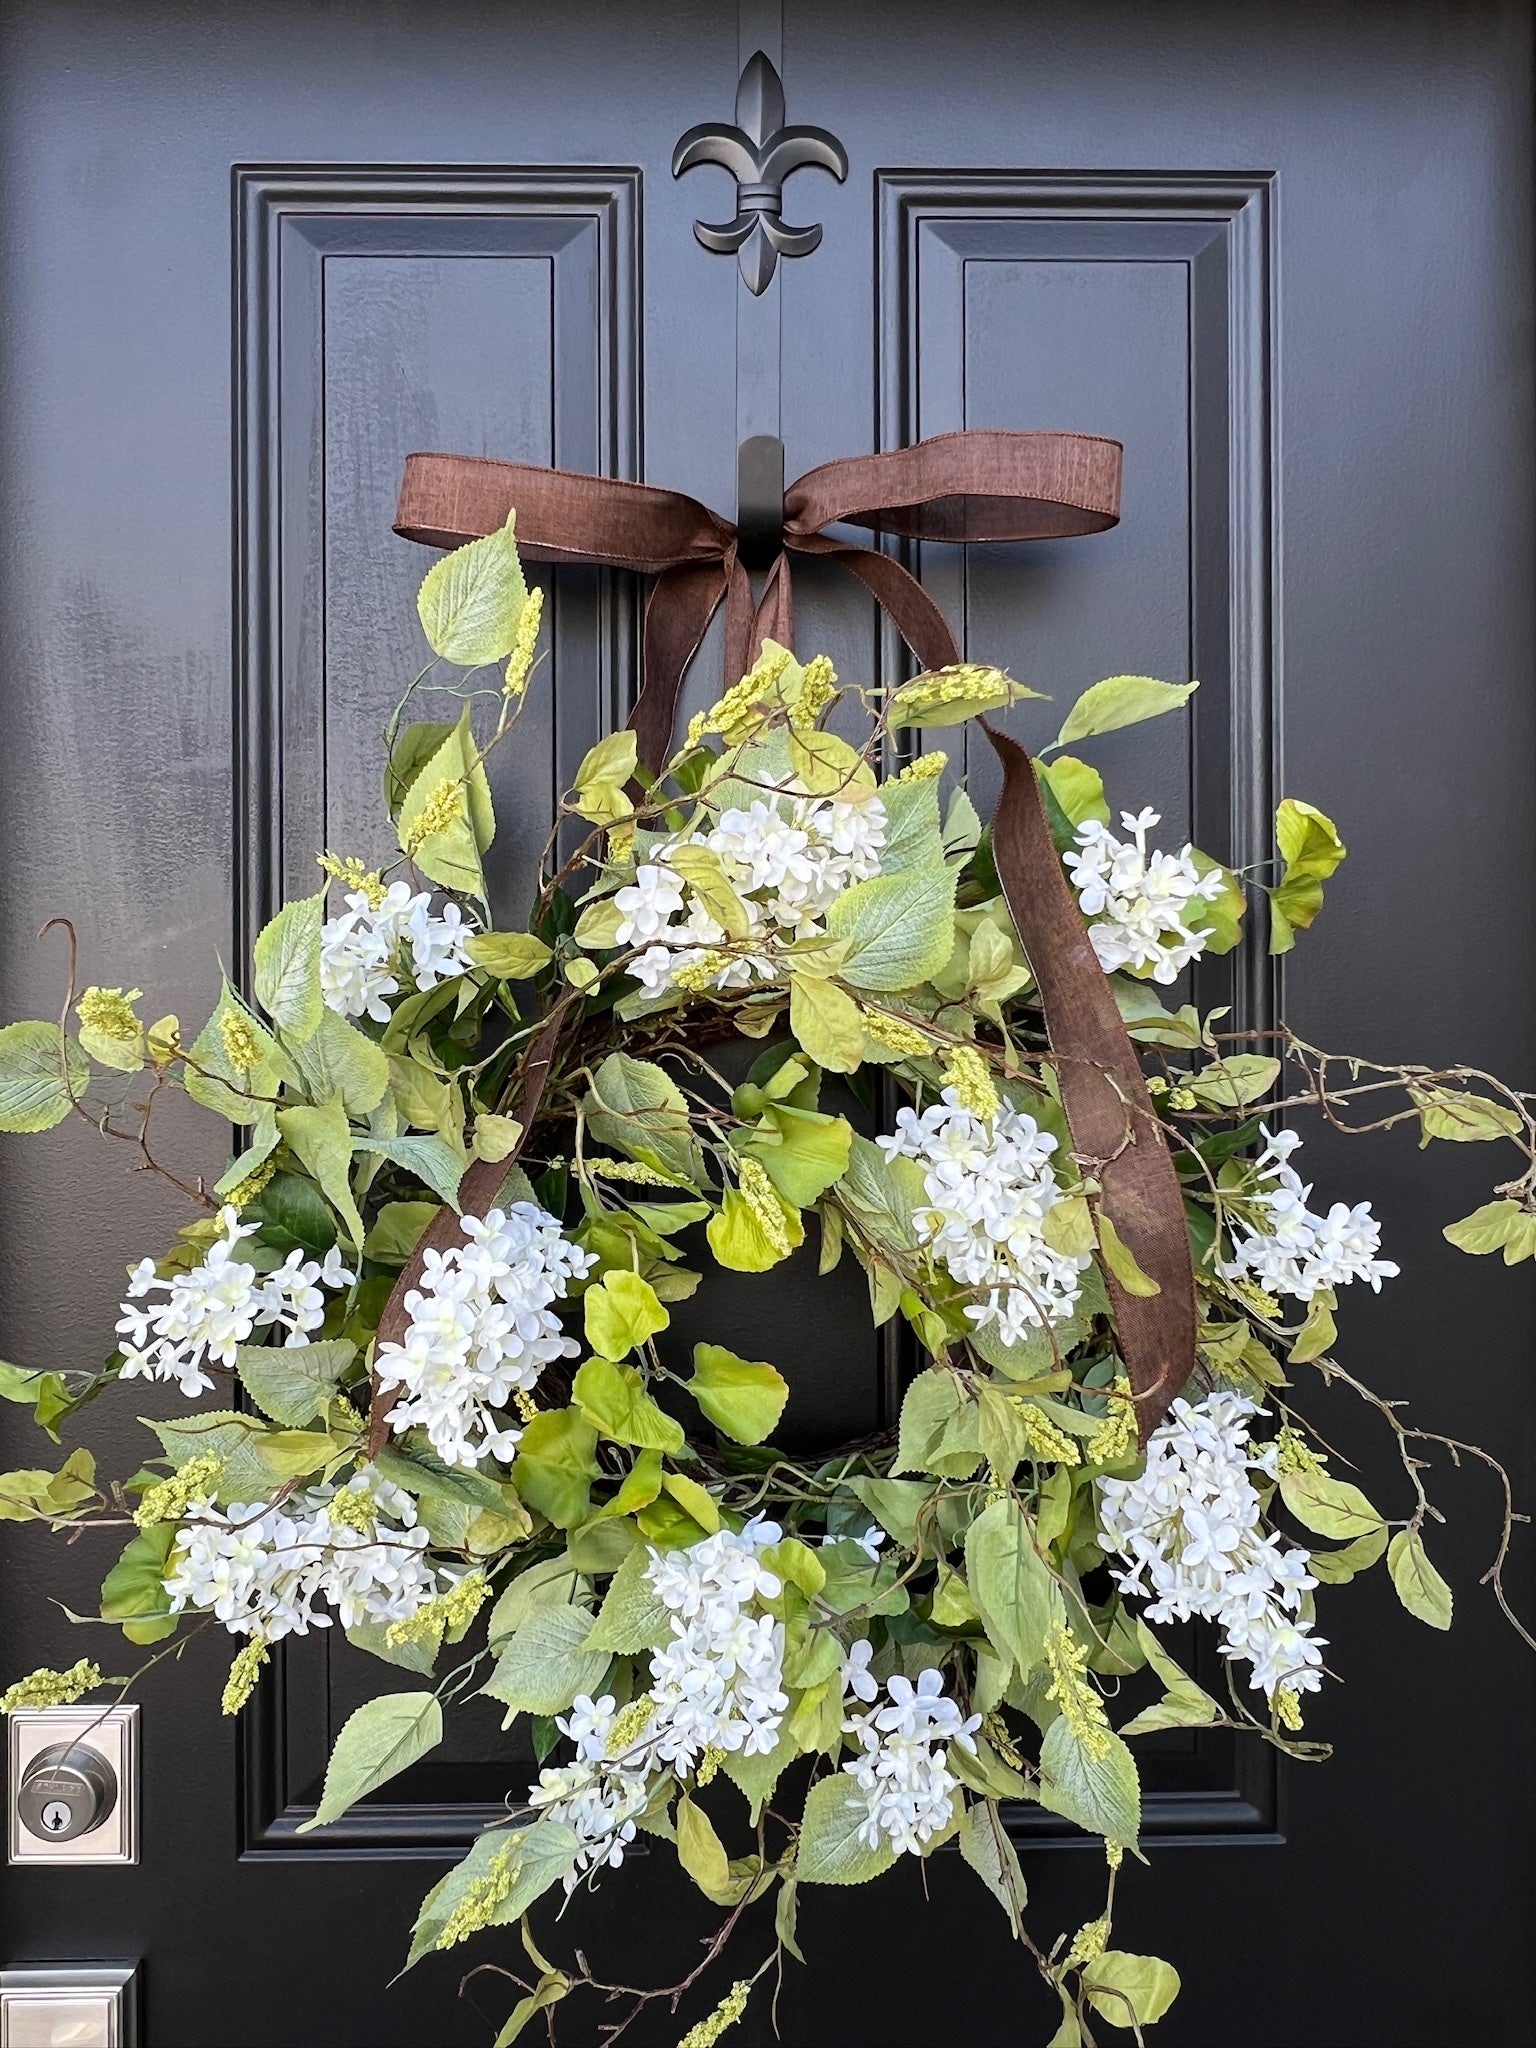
760	501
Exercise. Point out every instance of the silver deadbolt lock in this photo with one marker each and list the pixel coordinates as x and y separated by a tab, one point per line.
74	1785
66	1790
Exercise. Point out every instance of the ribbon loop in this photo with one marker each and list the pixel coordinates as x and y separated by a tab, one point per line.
980	485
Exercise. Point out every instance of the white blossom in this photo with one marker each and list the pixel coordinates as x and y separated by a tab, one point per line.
902	1771
788	855
1301	1251
218	1306
360	950
260	1569
482	1326
990	1185
1141	900
1188	1525
598	1796
718	1683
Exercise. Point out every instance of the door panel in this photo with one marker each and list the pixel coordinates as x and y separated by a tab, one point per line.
1284	255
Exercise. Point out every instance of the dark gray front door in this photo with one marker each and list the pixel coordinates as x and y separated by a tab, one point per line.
1283	253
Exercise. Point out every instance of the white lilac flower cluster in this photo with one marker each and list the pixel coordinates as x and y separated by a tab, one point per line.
1189	1527
903	1772
259	1569
359	950
1301	1251
1140	899
598	1796
788	856
482	1329
990	1185
716	1687
719	1683
219	1305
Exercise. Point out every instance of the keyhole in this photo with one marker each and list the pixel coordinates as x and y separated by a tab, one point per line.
56	1816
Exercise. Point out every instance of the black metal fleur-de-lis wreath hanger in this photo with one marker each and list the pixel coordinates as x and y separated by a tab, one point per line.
760	152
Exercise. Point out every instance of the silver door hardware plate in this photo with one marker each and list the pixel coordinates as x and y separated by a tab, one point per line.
86	2005
74	1785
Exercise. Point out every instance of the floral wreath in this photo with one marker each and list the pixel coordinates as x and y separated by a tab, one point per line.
463	1428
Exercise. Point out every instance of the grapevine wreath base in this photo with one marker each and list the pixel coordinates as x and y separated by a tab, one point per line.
421	1321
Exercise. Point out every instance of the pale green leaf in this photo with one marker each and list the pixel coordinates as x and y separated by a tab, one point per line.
384	1737
548	1662
1092	1783
471	602
1419	1586
1010	1583
397	1230
1233	1082
631	1618
742	1397
1327	1506
338	1059
1462	1118
1121	1260
292	1383
613	1399
512	956
830	1849
322	1138
985	1846
436	1161
287	968
1487	1229
453	778
620	1315
556	1465
41	1071
802	1152
1311	849
827	1023
701	1851
1119	701
635	1108
1130	1990
899	928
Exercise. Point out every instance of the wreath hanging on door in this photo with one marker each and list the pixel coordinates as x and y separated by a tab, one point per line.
771	997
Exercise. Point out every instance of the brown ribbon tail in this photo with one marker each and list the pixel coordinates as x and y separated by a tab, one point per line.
478	1191
1114	1129
913	612
677	617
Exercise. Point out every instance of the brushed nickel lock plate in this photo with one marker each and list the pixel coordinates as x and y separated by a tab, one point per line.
73	1787
87	2005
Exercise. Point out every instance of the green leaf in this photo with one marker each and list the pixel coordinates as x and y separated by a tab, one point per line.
538	1857
293	1453
1121	1260
899	928
322	1138
1419	1586
471	602
384	1737
339	1060
42	1392
437	1162
511	956
827	1022
620	1314
802	1152
1464	1119
1327	1506
740	1243
1487	1229
1232	1083
1077	788
556	1465
1338	1567
550	1989
985	1846
397	1230
701	1851
548	1662
742	1397
1130	1990
34	1092
929	1439
614	1401
212	1078
1010	1584
913	837
601	777
1120	701
636	1109
925	702
631	1618
292	1383
830	1849
1220	918
1311	849
1094	1784
552	1582
133	1592
287	968
704	872
451	856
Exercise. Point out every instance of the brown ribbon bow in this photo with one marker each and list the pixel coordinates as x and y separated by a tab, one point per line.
972	486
